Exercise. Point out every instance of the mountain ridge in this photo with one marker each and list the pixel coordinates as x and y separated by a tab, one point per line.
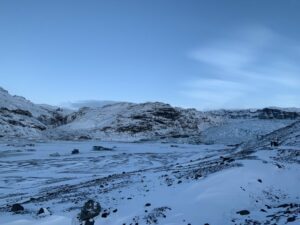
123	121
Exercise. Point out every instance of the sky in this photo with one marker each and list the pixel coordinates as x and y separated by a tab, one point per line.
204	54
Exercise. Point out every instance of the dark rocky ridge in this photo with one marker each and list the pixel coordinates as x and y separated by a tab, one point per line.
271	113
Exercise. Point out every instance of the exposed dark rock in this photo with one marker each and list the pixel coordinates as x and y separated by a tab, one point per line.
89	222
41	211
167	112
155	214
243	212
22	112
135	128
16	123
90	210
105	214
227	159
56	119
17	208
101	148
291	219
269	113
75	151
269	207
274	143
84	137
283	205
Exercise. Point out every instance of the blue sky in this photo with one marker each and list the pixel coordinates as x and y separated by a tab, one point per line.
202	54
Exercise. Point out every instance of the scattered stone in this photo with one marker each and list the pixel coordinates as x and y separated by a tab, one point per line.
101	148
259	180
274	143
155	214
105	214
84	137
278	166
269	207
174	146
283	205
226	159
243	212
147	204
75	151
115	210
89	222
43	212
17	208
291	219
197	176
90	210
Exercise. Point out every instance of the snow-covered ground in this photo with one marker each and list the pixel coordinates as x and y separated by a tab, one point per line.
150	183
155	179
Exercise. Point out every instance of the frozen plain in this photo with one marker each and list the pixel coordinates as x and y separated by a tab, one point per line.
182	184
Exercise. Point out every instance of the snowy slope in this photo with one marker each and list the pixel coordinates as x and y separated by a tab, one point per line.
23	119
287	136
128	121
237	126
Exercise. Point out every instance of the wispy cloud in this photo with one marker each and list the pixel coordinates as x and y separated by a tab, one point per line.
254	67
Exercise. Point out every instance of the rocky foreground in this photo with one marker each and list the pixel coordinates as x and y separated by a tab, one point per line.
149	183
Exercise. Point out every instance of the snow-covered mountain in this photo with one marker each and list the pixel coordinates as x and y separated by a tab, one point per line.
123	121
238	126
128	121
21	118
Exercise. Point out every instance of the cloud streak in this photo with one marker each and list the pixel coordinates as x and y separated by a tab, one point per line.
254	67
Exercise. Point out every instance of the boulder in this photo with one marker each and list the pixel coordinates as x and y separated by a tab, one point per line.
243	212
90	210
89	222
17	208
43	212
75	151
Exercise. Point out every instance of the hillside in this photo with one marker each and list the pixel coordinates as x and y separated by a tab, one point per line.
20	118
121	121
